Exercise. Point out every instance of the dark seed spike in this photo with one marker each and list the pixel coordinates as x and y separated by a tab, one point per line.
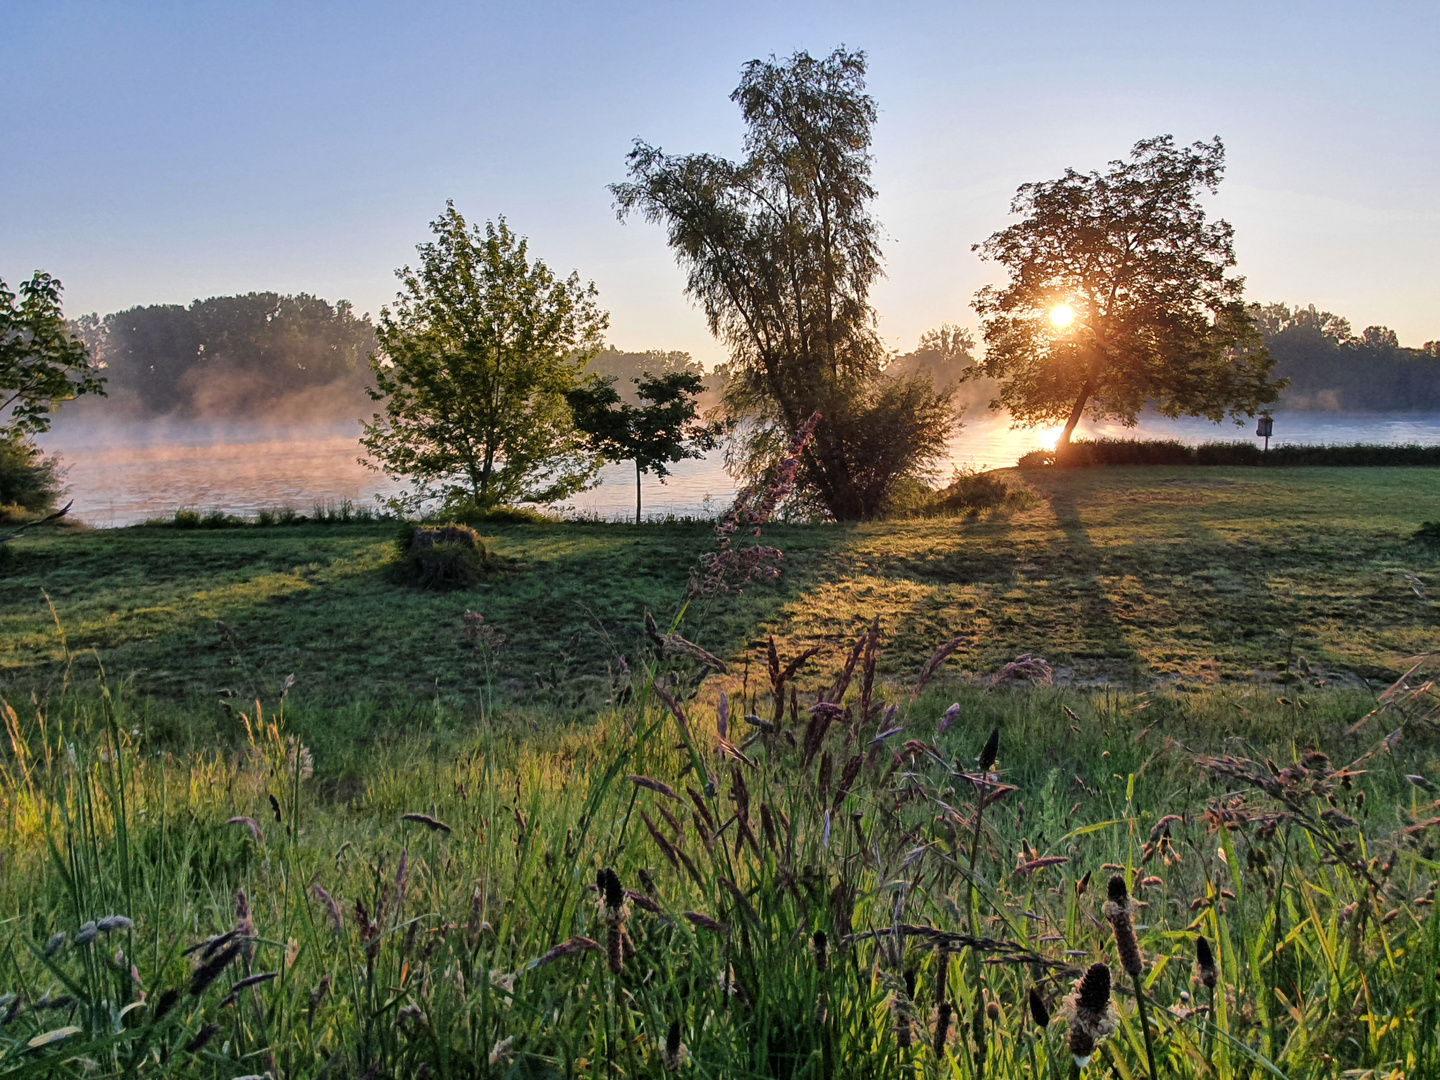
1038	1012
167	1002
991	751
614	894
209	971
672	1039
1095	988
1116	890
1205	961
942	1027
202	1037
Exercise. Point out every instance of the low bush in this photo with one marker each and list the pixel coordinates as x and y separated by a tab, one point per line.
1083	452
450	556
1428	535
968	492
30	483
470	514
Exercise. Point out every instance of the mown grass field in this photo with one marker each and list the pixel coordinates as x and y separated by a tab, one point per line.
1132	577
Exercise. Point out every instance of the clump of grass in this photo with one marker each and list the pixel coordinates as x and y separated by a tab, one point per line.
444	556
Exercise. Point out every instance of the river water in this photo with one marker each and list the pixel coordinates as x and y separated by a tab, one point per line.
121	476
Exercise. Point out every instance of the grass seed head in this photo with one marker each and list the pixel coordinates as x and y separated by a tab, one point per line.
991	751
1038	1011
1090	1013
1205	964
942	1027
203	1036
1118	910
675	1053
500	1052
332	909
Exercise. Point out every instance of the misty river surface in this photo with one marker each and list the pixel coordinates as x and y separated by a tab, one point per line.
125	475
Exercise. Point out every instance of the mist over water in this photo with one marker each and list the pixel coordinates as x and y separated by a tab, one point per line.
124	473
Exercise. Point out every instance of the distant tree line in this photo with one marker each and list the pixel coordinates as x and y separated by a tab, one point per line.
261	356
1333	369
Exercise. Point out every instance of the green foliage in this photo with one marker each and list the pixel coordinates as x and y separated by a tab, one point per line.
446	556
476	357
666	429
1157	320
627	367
780	250
974	492
257	356
30	482
42	364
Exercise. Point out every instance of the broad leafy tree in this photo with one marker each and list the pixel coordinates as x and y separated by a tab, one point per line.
42	363
663	430
475	359
780	251
1120	297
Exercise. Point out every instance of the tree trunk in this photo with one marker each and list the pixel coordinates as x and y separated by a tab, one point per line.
637	491
1078	411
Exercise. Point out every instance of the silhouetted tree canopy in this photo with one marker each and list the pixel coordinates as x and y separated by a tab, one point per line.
1157	320
780	251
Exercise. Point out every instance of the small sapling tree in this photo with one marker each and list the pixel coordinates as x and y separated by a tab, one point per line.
662	431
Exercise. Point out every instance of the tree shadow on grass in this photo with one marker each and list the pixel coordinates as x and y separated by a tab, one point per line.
1102	633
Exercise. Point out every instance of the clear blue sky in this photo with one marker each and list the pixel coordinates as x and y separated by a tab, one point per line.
158	152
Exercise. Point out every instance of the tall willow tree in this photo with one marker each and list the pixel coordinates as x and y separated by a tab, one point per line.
476	356
780	251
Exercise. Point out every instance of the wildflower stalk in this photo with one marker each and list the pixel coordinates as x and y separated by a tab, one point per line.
1145	1025
987	759
1118	909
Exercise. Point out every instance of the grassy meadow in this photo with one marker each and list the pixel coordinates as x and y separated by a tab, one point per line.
419	859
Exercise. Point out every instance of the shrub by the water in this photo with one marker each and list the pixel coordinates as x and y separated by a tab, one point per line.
968	492
444	556
1173	452
29	481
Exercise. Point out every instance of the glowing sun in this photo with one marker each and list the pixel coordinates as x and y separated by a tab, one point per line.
1063	315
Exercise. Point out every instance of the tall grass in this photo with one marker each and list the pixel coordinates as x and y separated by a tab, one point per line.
830	877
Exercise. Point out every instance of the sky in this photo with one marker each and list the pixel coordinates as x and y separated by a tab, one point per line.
160	152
